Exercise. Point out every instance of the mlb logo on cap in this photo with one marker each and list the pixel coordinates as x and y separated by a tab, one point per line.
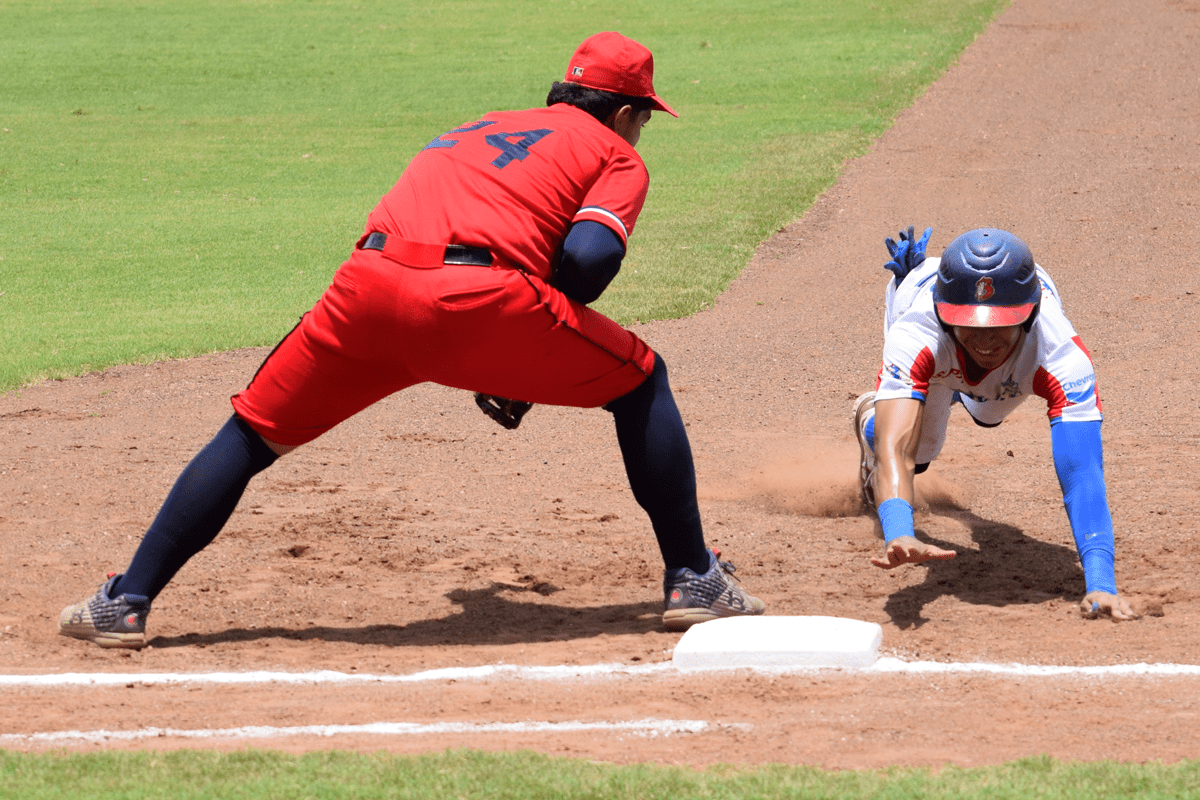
617	64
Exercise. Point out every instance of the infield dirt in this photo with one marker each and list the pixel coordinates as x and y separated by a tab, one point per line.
421	535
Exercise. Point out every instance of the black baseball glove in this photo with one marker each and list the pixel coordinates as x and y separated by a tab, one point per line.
506	412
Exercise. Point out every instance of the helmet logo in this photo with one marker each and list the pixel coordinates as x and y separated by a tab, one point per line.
984	289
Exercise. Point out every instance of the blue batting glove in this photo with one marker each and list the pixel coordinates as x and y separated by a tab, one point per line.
907	254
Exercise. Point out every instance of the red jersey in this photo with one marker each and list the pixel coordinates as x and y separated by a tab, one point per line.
514	182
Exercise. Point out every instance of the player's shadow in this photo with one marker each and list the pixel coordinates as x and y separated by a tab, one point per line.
1007	568
489	616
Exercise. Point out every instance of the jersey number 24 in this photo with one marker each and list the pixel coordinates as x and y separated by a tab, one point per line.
510	150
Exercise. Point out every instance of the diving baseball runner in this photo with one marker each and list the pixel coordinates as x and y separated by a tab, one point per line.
474	271
982	326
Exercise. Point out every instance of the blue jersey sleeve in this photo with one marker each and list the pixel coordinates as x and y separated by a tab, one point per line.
1079	462
591	258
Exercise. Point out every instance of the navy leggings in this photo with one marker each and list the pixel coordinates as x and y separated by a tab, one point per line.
658	460
654	446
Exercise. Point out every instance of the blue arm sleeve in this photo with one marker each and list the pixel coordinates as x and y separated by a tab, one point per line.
1079	462
896	518
591	258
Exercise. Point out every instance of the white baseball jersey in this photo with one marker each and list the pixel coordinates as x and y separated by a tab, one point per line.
923	362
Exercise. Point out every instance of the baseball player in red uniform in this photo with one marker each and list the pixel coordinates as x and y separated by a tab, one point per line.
474	272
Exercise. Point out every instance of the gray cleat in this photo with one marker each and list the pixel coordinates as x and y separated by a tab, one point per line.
864	410
693	598
108	621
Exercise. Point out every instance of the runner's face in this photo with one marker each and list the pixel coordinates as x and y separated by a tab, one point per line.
988	347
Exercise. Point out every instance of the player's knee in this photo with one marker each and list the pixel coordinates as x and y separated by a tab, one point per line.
643	395
254	438
277	448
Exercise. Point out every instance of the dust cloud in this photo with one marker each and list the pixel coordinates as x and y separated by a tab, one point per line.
819	478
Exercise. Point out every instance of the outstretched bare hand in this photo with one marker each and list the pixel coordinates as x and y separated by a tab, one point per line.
910	550
1097	604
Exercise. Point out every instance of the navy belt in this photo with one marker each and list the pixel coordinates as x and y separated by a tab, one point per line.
455	254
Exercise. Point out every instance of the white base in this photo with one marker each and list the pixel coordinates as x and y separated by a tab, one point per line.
778	643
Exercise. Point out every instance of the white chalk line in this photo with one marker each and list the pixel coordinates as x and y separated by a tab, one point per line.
330	676
566	673
893	665
645	727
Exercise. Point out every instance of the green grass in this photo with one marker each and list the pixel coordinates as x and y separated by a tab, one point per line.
257	775
182	177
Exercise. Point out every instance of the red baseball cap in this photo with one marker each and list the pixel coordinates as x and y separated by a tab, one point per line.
614	63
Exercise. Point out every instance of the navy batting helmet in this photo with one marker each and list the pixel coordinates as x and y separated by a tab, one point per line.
987	279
